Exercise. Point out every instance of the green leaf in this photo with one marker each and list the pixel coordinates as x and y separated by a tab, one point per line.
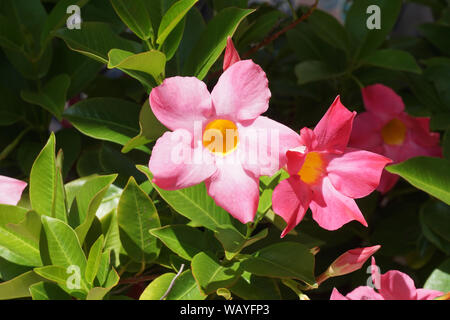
95	40
260	27
184	288
89	200
46	187
151	62
211	275
48	291
94	259
393	59
213	40
194	203
251	287
107	119
428	174
313	70
437	34
172	18
364	39
135	15
64	249
19	286
290	260
185	241
435	222
329	29
136	215
233	241
63	277
151	129
18	243
172	42
439	279
52	97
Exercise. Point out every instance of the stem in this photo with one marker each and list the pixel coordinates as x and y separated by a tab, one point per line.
273	37
294	14
172	282
149	44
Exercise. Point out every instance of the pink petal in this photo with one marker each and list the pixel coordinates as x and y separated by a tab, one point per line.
235	190
333	130
366	133
175	164
351	260
295	159
426	294
180	101
231	55
11	190
290	200
375	274
336	295
387	181
242	92
396	285
331	209
382	101
364	293
264	144
356	173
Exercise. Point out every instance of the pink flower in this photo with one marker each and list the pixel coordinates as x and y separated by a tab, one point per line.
348	262
11	190
231	55
393	285
326	176
387	129
219	137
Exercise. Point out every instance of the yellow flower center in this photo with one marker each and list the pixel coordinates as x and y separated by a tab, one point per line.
312	168
221	136
394	132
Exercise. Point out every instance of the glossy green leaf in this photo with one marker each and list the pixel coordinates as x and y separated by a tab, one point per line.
184	288
52	97
290	260
18	232
428	174
213	40
312	70
19	286
185	241
437	34
233	241
46	187
393	59
107	119
48	291
94	259
251	287
136	216
329	29
172	18
68	279
435	223
135	15
439	279
212	275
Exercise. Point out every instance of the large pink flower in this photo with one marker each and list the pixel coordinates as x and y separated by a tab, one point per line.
326	175
387	129
219	137
11	190
393	285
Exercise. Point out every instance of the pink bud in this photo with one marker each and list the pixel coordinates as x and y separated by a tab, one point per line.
348	262
231	55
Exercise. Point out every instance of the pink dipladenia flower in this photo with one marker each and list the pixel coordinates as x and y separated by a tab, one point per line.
348	262
11	190
385	128
393	285
219	137
326	175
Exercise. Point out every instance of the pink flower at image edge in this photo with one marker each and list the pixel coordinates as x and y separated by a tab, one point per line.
386	128
11	190
326	175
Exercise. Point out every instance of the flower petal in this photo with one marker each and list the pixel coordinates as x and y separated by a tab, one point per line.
242	92
396	285
180	101
387	181
331	209
175	164
11	190
264	144
336	295
234	189
356	173
231	55
290	200
333	130
426	294
351	260
382	101
364	293
366	133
